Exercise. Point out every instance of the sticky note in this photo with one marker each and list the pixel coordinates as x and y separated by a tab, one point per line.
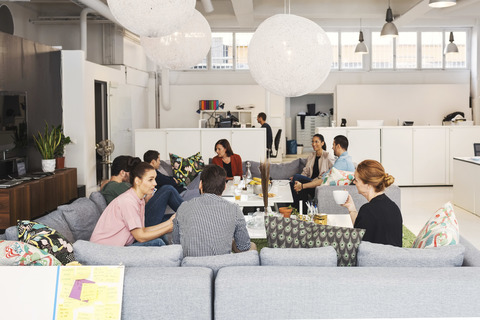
89	292
76	291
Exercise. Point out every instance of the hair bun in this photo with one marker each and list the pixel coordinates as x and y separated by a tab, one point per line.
388	180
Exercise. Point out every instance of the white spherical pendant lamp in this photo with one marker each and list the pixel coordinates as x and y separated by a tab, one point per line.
289	55
152	18
182	49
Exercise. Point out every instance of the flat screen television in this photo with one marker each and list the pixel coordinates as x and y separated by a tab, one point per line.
13	119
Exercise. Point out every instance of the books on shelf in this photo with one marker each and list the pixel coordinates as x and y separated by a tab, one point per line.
208	104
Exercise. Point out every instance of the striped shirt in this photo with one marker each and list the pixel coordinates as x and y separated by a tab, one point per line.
206	226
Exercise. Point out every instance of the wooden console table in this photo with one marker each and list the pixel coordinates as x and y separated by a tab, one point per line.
35	198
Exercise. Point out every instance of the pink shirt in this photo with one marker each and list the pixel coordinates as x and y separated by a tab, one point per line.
123	214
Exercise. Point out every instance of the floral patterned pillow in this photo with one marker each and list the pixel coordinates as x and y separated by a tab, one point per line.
186	169
16	253
337	177
440	230
45	238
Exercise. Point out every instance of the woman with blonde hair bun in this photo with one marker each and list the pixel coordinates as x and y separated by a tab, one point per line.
380	217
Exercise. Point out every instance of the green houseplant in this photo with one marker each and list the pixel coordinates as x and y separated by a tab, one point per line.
46	144
60	150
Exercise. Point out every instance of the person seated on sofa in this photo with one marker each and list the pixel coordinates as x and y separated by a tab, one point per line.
225	158
380	217
123	221
343	162
206	225
168	193
119	181
318	162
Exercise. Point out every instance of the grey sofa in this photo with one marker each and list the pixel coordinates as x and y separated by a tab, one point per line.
279	283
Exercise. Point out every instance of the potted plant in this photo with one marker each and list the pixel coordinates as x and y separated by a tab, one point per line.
60	150
46	144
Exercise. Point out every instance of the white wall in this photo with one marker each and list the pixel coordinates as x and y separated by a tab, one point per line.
127	108
184	102
425	104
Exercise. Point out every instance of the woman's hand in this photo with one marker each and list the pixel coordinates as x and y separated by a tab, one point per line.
349	204
298	186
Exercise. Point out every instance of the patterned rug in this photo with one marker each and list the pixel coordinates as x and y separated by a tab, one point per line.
407	241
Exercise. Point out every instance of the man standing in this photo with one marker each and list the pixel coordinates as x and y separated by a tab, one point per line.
206	225
261	118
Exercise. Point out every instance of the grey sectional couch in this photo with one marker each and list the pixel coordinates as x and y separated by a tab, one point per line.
279	283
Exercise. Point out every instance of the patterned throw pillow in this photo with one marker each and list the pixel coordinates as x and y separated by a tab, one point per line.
440	230
288	233
16	253
186	169
45	238
337	177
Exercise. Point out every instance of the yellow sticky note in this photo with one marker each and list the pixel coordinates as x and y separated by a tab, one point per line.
82	272
112	311
112	295
84	316
113	275
99	311
102	293
64	313
67	274
89	292
100	273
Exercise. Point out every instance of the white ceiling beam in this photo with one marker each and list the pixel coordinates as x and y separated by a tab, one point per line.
417	12
243	11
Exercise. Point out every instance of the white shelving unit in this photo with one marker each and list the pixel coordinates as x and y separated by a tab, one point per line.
243	116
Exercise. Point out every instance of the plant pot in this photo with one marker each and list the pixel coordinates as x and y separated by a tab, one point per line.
60	162
285	211
48	165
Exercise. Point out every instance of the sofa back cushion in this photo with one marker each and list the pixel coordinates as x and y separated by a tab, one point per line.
248	258
381	255
314	257
90	253
99	200
166	168
54	219
82	216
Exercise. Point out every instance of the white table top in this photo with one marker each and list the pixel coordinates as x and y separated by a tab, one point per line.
280	188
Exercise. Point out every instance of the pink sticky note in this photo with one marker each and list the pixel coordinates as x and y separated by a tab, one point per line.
77	288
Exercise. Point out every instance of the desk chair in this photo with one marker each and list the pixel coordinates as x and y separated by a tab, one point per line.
476	149
276	143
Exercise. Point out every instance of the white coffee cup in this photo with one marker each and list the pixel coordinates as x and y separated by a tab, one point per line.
340	196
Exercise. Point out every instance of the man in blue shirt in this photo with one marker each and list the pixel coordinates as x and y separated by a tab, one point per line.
344	161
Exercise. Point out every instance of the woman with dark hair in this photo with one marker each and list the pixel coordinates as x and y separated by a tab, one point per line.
318	162
225	158
380	217
122	223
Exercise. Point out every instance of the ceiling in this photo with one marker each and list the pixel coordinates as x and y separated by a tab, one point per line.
247	14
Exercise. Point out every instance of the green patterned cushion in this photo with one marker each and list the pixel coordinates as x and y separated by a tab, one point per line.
289	233
16	253
440	230
186	169
45	238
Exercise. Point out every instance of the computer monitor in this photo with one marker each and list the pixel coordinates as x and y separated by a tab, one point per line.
476	149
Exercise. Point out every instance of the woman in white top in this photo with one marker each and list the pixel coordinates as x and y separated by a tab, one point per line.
318	163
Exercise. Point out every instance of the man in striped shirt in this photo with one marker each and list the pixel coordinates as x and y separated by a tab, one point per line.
206	225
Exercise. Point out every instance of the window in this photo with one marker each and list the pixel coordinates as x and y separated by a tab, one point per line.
457	60
222	50
333	37
242	40
406	50
350	60
432	50
382	52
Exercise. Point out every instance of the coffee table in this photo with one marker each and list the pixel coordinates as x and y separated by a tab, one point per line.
280	188
338	220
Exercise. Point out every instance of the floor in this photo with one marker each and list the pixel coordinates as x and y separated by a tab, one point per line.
420	203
